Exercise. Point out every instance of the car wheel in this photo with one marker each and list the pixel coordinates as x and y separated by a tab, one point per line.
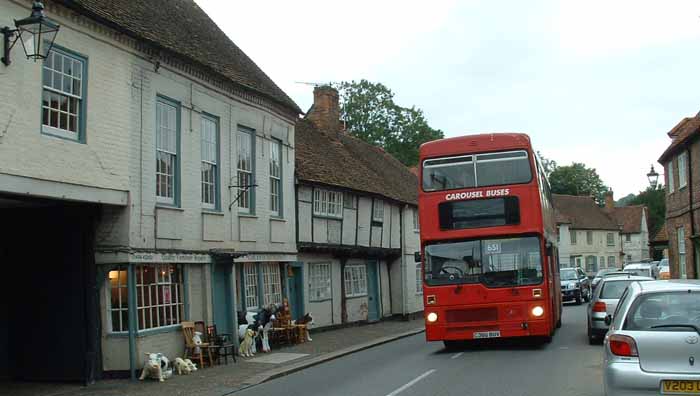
591	337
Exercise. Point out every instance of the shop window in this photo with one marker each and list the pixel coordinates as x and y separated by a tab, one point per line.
319	281
159	295
119	299
355	280
272	284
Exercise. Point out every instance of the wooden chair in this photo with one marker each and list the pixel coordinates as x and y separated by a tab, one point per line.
188	329
222	344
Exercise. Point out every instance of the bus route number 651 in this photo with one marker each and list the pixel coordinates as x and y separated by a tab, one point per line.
493	247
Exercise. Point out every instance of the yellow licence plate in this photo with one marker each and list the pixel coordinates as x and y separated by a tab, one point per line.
680	387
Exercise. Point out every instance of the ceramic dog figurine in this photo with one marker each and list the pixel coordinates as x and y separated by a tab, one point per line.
306	322
181	367
245	349
155	366
190	365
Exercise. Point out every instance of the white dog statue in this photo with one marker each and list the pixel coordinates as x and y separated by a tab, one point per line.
190	365
155	366
197	340
245	349
181	367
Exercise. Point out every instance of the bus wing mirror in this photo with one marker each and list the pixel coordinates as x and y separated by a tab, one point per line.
416	257
549	249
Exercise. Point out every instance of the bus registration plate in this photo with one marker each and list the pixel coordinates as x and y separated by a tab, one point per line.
487	334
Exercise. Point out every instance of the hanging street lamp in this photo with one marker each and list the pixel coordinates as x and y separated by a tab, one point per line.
653	177
36	33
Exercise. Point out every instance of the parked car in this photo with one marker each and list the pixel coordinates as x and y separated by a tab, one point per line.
652	344
643	269
664	269
599	275
604	302
575	285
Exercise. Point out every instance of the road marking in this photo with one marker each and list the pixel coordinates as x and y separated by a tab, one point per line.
456	355
410	384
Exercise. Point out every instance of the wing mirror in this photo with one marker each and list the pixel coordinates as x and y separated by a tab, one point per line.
417	257
608	320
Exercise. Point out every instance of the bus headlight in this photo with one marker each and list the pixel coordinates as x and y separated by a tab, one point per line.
432	317
537	311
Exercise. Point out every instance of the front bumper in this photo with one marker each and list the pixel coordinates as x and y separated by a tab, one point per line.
570	294
628	379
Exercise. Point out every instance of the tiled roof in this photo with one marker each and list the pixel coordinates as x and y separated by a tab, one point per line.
661	235
685	130
630	217
183	28
345	161
582	213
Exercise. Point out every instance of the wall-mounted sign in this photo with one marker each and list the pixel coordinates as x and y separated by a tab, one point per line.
258	257
146	257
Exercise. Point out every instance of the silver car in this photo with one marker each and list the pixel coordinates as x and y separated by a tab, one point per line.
652	345
604	302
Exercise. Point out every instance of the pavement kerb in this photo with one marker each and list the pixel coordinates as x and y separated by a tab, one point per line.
281	372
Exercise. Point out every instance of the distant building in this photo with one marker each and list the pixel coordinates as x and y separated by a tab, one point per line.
680	160
588	236
634	231
659	244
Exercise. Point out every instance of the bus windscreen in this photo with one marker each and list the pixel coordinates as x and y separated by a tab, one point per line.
479	170
504	262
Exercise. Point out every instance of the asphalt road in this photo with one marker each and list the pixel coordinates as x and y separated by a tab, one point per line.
411	366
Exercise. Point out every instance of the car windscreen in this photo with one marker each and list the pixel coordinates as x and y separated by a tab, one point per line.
478	170
567	274
613	289
664	311
500	262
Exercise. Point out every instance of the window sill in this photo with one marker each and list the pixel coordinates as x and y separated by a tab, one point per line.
248	215
278	219
356	296
148	332
213	212
57	133
169	207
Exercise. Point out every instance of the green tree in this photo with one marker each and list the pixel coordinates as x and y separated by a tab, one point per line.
655	201
548	164
371	114
577	179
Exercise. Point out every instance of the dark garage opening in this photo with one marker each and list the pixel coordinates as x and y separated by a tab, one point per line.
50	325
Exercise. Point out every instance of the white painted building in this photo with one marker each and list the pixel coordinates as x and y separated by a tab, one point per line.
634	231
588	237
357	224
122	161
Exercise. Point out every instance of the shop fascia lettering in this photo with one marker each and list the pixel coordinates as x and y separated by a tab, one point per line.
500	192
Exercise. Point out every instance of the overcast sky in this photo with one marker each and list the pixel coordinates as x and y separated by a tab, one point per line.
598	82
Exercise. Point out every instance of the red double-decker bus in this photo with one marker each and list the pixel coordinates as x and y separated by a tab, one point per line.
488	240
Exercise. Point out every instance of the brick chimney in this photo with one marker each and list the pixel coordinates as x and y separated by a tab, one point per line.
609	201
325	113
